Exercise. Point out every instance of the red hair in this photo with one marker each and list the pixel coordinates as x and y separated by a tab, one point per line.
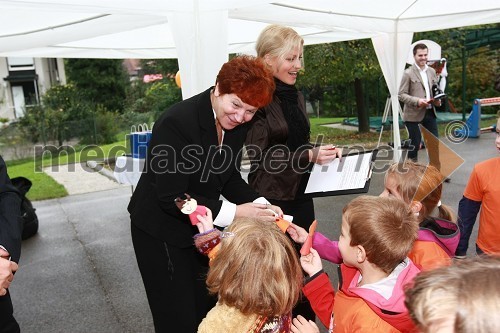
249	78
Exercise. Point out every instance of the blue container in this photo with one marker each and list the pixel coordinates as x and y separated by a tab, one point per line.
139	143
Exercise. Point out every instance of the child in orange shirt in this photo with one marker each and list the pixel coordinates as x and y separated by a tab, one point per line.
482	193
377	234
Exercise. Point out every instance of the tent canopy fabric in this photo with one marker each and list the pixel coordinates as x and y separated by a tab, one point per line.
201	33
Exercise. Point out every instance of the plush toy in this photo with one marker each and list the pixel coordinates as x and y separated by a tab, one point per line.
189	206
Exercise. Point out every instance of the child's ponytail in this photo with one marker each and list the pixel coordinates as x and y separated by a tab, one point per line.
446	213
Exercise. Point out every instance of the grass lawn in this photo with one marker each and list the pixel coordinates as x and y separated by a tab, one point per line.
44	186
344	137
321	121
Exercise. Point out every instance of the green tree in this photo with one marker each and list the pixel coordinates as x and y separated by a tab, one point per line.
347	75
102	81
159	66
157	97
462	46
63	114
154	97
336	64
105	127
161	95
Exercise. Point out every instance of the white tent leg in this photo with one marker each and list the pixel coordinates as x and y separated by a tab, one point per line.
392	51
202	46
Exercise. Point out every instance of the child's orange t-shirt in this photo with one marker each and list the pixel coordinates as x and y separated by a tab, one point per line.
484	186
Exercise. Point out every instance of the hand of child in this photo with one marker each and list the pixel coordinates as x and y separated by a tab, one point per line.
311	263
302	325
206	222
298	234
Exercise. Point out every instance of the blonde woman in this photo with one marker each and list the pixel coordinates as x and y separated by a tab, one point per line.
278	142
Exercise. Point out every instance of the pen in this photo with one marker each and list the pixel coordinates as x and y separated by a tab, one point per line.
333	148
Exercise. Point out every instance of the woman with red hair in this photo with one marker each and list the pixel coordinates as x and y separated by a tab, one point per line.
195	149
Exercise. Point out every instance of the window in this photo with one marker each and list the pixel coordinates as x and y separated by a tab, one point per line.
20	64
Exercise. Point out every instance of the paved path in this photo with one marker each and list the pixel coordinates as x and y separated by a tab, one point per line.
79	273
79	178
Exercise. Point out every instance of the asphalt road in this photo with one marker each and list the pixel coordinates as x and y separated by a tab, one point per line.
79	273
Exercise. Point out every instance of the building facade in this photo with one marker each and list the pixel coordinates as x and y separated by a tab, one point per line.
24	80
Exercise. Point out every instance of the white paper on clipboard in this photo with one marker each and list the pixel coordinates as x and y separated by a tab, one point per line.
352	172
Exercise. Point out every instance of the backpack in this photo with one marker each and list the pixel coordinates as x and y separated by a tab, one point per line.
28	215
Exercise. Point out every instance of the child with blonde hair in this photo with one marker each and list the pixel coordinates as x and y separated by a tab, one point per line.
420	186
461	298
377	234
255	273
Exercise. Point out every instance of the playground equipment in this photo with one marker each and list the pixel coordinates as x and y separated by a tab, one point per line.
472	125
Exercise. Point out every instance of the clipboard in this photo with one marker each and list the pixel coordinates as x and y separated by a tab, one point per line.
314	182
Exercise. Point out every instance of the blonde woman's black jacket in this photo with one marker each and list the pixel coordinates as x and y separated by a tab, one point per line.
275	172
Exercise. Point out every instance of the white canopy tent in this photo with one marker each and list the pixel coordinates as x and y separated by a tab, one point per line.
201	33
